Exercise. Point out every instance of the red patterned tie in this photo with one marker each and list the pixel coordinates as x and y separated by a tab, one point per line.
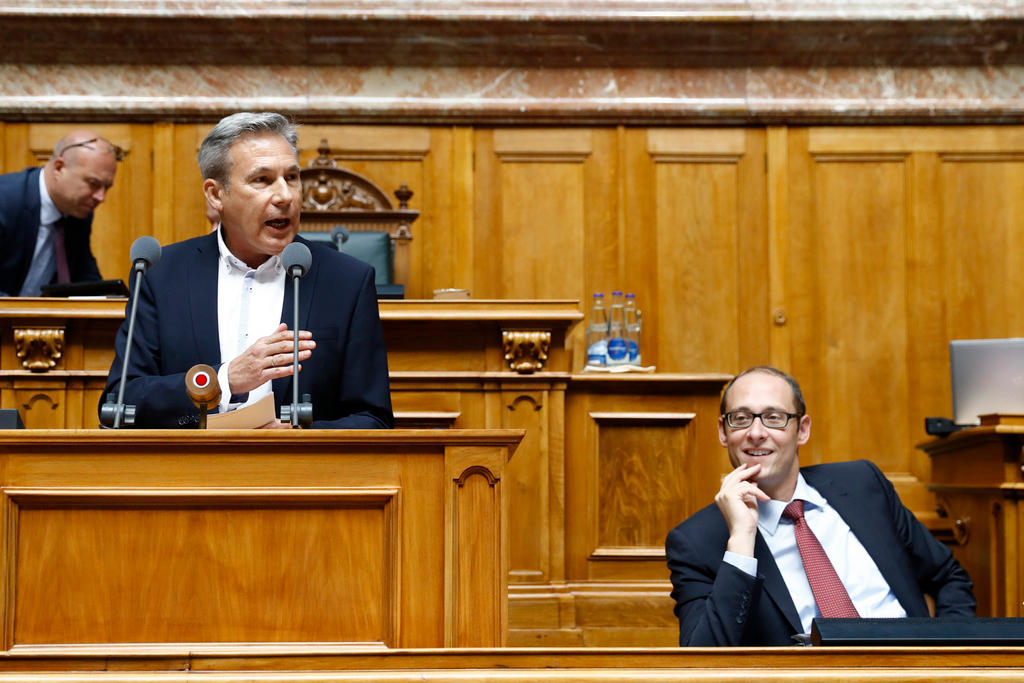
60	253
829	592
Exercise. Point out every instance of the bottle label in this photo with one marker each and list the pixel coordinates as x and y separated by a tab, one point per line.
618	351
634	353
597	354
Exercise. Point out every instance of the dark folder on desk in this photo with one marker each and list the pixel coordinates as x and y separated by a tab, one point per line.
94	288
918	631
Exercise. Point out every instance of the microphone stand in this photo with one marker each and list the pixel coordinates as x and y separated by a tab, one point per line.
115	414
299	414
121	408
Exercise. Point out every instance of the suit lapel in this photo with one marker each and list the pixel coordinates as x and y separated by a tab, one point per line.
774	584
202	306
28	224
867	522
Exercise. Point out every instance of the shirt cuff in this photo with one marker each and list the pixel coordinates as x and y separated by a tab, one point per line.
228	401
744	563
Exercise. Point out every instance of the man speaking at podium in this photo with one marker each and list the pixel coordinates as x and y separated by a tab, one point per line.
782	545
224	299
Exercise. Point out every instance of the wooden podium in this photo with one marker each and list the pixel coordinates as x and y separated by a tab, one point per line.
388	539
978	483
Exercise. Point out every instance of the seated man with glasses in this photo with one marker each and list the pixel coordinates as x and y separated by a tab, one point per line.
46	215
782	544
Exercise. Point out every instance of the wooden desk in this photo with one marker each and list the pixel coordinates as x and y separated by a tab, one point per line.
528	665
55	353
978	483
158	537
609	463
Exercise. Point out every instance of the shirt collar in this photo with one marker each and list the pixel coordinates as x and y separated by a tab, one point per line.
769	514
269	269
48	211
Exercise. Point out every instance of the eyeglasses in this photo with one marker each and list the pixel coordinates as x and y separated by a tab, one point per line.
773	419
114	149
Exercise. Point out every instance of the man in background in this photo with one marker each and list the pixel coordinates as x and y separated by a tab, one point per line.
782	544
46	215
224	299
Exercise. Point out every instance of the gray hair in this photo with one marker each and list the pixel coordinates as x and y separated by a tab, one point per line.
215	153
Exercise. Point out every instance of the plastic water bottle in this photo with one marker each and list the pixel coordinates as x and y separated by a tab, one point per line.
632	317
618	349
597	333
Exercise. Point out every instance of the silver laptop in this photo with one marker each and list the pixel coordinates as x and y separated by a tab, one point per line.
988	377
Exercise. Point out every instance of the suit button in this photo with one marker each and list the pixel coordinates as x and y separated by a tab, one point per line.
739	619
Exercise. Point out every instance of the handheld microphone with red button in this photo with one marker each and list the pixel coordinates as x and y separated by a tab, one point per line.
203	388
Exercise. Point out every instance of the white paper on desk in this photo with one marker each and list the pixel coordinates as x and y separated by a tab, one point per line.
247	417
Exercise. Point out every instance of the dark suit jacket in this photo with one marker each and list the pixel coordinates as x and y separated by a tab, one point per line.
176	328
19	227
718	604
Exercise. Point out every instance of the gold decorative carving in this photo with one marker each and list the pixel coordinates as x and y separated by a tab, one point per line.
526	350
39	349
332	195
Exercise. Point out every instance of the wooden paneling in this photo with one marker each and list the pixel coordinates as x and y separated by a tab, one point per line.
641	468
897	240
387	539
641	454
191	566
978	482
696	245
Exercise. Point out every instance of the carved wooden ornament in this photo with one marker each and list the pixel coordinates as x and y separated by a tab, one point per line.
39	349
526	350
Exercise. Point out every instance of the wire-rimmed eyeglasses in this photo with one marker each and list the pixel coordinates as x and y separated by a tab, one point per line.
773	419
115	149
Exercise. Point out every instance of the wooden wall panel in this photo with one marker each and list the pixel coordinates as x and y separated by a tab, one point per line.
898	240
195	559
188	214
642	479
700	196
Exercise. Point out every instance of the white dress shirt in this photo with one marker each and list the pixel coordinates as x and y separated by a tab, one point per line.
249	304
868	589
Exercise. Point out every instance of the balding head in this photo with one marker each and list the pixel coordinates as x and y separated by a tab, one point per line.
81	171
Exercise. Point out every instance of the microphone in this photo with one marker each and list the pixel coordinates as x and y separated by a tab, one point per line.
145	253
203	388
339	235
296	260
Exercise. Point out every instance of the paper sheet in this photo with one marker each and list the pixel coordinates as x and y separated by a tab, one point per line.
247	417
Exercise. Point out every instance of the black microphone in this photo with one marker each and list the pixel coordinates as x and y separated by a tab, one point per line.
203	388
145	253
339	235
296	260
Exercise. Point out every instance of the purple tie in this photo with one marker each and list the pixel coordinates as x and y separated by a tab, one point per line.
61	254
829	591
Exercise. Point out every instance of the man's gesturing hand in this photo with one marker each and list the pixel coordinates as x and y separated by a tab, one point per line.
269	357
737	500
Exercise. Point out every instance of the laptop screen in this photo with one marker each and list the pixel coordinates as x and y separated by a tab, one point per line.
987	377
